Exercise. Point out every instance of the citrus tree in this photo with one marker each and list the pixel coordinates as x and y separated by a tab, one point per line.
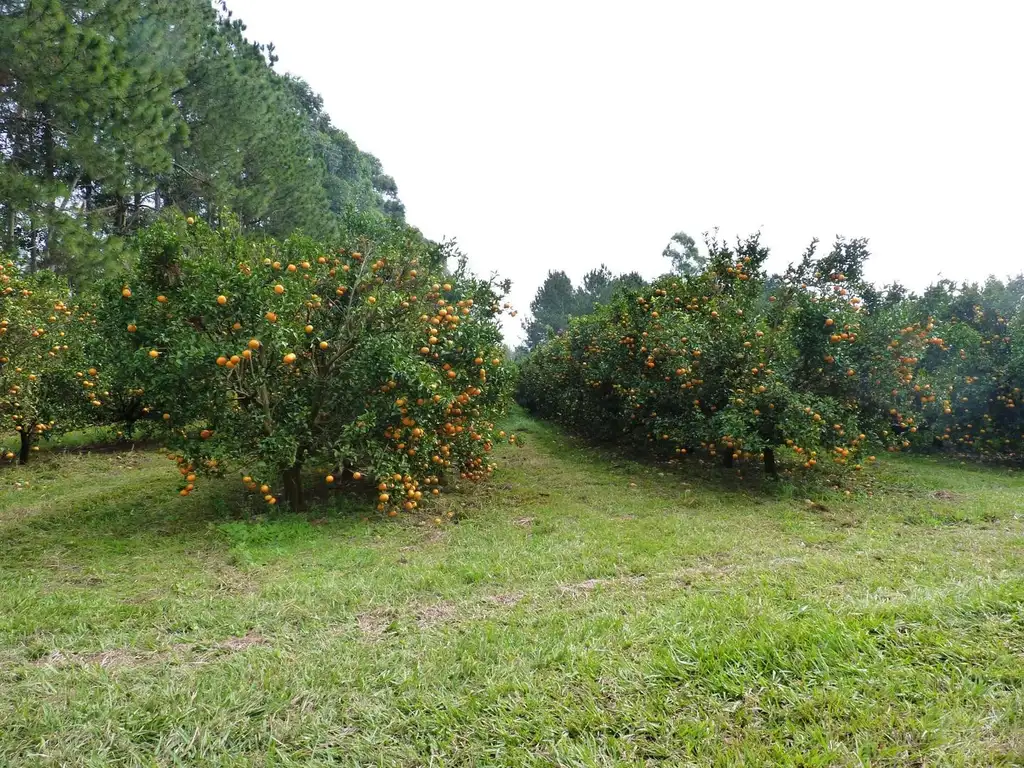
733	364
979	404
44	385
363	361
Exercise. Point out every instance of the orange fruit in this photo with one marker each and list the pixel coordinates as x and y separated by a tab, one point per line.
154	354
278	289
222	300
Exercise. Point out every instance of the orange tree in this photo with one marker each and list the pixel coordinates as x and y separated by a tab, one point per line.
43	383
368	360
734	364
980	405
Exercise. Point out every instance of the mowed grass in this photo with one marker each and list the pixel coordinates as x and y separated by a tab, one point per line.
579	610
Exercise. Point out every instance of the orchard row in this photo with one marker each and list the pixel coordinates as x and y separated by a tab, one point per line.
808	367
369	362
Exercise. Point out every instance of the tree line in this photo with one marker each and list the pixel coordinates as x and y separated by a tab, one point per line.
722	357
557	300
112	110
192	250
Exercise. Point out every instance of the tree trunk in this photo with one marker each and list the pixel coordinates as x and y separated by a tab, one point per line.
727	458
769	462
33	251
26	446
9	231
49	168
291	480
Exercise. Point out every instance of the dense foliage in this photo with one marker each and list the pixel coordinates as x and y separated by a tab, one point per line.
816	363
111	110
352	348
365	360
43	384
557	300
294	321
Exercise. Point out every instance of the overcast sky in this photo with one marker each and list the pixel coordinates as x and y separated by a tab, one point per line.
560	135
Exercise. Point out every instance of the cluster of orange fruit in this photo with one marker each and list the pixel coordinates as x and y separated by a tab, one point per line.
624	359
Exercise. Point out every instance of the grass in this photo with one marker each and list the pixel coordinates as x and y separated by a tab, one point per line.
582	610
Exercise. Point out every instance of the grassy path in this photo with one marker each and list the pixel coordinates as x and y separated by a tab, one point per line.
586	611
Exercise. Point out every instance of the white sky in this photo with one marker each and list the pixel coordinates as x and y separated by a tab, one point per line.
559	135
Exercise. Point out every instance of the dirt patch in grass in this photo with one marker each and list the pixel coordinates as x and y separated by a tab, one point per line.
117	657
429	615
523	522
132	657
376	623
434	536
510	599
241	643
945	496
585	587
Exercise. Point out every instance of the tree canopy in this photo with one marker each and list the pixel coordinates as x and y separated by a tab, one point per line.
111	110
557	300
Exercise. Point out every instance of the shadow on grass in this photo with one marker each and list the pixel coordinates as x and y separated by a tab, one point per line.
893	474
745	478
128	514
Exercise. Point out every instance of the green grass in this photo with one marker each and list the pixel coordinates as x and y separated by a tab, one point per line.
582	610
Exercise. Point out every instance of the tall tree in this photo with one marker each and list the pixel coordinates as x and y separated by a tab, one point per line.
551	308
682	252
113	109
557	300
86	103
